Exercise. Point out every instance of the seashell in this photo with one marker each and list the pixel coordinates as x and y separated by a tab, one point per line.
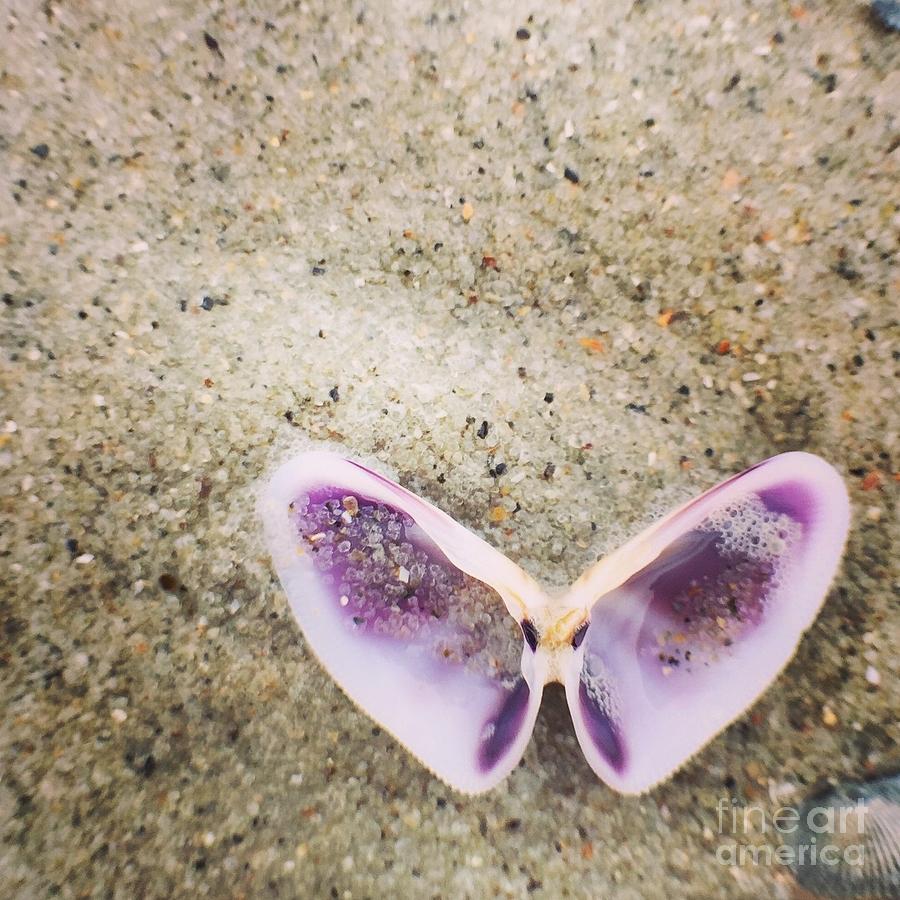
448	644
847	843
887	14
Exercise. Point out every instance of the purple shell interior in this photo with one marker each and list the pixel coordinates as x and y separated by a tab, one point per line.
710	589
599	717
794	499
393	585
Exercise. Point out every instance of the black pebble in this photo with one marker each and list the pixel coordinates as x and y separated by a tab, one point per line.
548	397
318	270
571	175
334	394
207	303
523	34
848	273
213	44
41	151
72	546
684	390
500	468
483	430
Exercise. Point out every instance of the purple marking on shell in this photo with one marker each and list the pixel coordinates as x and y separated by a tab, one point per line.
579	635
503	728
793	499
391	581
530	634
601	726
712	586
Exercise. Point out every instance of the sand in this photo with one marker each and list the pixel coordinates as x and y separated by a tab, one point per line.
647	243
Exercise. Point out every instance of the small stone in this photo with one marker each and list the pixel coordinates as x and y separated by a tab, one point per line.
871	481
212	45
119	715
829	719
730	180
467	212
873	676
498	514
168	582
41	151
84	559
754	770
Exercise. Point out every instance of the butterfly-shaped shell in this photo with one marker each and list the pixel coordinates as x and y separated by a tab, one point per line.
659	646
